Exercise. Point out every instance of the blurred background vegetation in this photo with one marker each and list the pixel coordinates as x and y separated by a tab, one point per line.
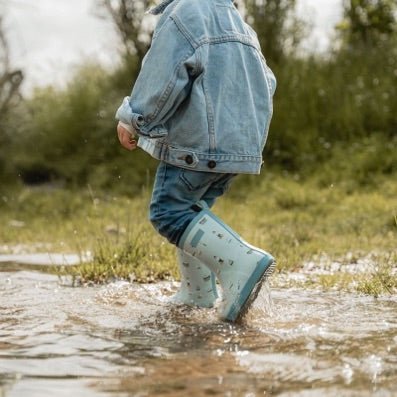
335	112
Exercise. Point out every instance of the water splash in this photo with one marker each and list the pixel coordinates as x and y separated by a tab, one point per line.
261	309
128	339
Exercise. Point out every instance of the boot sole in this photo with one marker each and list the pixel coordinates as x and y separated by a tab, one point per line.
249	293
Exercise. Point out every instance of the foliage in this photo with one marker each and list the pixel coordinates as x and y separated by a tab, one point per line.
278	28
135	258
367	23
380	279
383	279
128	18
73	133
322	102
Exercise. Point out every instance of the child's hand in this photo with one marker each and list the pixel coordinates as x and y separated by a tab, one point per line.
127	139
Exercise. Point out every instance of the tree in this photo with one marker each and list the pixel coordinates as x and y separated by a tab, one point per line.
278	28
368	23
128	17
10	80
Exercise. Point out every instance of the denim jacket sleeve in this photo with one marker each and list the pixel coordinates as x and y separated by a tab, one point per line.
163	82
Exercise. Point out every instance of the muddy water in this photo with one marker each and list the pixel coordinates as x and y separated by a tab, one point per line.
126	340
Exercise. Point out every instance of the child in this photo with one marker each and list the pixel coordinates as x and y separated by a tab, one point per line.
202	105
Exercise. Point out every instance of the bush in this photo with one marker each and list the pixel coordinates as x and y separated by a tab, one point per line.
322	102
73	135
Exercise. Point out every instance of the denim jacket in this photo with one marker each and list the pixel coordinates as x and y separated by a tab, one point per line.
203	97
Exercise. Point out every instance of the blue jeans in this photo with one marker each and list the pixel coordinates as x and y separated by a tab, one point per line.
175	193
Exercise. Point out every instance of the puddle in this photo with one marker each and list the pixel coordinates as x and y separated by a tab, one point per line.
127	340
44	259
18	260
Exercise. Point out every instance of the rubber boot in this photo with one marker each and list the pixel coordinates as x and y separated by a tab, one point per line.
240	268
198	286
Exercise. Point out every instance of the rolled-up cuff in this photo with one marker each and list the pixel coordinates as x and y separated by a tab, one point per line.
124	112
126	115
137	120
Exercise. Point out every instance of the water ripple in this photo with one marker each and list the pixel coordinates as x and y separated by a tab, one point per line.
128	339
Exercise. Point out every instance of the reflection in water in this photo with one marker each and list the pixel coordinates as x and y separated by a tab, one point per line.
127	340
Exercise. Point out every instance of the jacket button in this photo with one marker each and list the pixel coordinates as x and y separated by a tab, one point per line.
211	164
189	159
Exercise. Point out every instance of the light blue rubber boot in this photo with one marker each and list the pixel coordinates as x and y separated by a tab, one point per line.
240	268
198	286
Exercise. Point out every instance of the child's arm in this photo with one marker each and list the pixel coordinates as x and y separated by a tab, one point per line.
163	82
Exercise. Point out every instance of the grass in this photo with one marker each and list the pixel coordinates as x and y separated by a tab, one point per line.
296	220
379	279
382	280
114	229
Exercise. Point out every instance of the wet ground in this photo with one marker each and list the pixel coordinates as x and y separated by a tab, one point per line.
126	340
